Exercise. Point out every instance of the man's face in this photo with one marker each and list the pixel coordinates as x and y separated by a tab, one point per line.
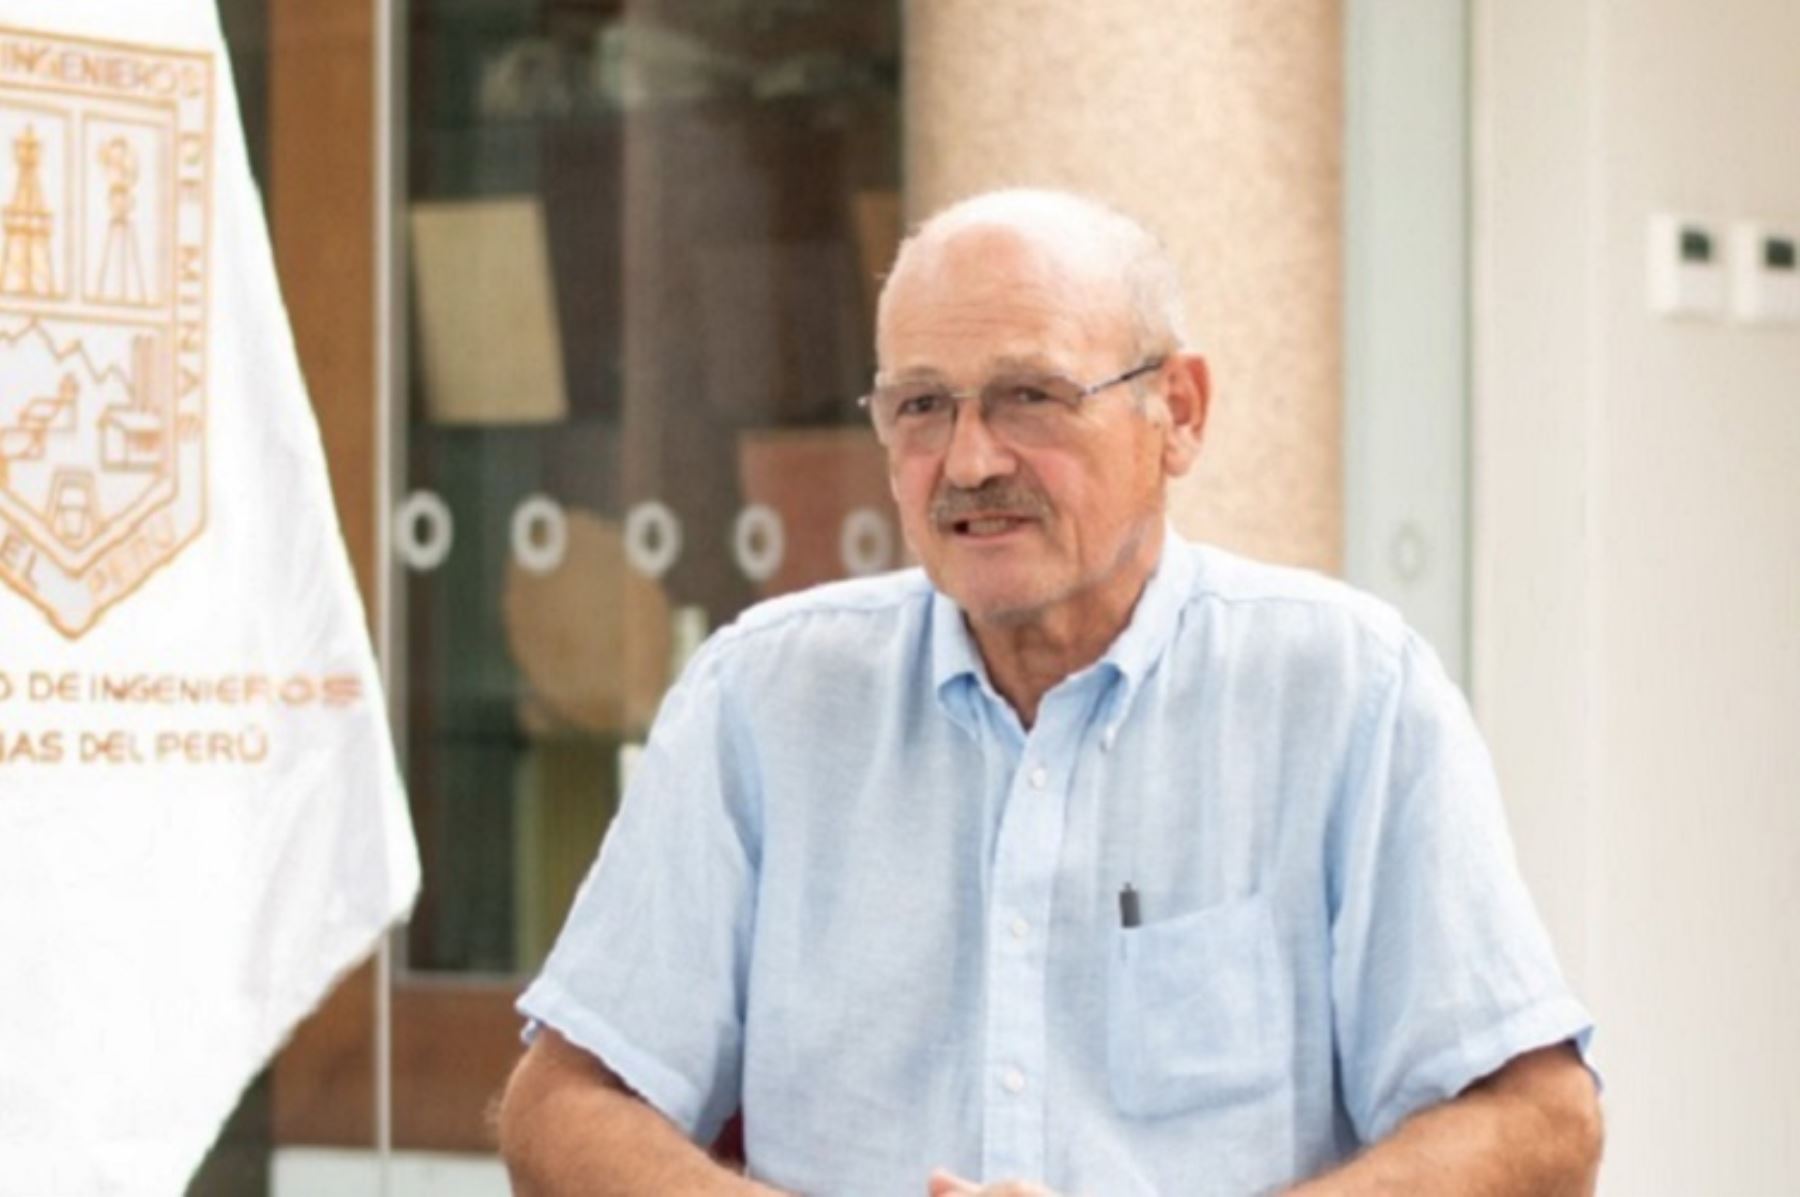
1012	533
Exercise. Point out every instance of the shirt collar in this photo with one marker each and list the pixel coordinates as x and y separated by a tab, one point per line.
957	669
1140	646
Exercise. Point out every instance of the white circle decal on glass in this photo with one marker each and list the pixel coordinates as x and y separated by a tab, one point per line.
758	541
866	543
652	538
1409	554
423	530
540	534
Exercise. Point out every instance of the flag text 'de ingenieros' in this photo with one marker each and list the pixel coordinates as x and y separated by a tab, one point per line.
47	718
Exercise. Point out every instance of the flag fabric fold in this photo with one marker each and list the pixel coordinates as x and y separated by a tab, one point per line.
202	825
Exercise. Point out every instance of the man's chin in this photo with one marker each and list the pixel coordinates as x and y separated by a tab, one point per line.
986	595
999	609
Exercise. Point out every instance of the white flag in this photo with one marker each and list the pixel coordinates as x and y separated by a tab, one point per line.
201	823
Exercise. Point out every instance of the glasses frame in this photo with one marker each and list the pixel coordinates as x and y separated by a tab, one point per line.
1084	392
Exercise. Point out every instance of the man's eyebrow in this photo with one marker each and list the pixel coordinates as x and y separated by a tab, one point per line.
1030	363
913	374
1034	363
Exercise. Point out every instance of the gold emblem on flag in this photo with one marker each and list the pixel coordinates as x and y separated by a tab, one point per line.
105	275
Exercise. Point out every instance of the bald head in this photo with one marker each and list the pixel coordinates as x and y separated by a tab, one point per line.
1118	268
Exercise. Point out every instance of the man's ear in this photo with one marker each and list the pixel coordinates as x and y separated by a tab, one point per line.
1189	391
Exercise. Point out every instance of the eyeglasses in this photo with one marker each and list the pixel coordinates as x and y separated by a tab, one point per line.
1025	408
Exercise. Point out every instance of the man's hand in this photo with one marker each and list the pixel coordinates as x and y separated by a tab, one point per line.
945	1184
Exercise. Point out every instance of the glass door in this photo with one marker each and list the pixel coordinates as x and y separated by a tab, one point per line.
641	242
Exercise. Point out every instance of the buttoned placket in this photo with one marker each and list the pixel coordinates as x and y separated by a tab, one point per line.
1027	849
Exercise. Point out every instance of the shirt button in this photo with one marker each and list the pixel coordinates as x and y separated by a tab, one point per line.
1019	927
1040	777
1107	737
1013	1081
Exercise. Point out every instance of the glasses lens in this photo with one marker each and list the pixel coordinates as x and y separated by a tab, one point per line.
1031	408
912	413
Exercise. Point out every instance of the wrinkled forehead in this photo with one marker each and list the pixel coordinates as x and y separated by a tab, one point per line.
965	297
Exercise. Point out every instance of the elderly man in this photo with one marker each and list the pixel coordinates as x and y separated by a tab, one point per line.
1084	860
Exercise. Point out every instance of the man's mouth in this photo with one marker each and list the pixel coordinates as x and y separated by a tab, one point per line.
987	525
993	511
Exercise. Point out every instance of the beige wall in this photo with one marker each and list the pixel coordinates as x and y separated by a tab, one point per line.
1216	122
1637	562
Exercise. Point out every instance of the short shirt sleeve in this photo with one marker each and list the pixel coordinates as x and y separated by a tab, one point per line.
1441	969
649	970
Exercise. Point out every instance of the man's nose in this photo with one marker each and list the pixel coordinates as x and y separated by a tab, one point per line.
975	454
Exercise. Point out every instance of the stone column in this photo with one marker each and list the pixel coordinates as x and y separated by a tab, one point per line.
1218	124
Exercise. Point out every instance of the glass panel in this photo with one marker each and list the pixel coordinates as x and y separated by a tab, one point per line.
641	248
1406	329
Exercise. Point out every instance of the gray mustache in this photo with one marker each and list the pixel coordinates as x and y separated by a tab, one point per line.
997	495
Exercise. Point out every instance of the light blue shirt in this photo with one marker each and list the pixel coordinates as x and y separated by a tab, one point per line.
850	892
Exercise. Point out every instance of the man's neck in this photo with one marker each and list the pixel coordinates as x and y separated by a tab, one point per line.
1026	657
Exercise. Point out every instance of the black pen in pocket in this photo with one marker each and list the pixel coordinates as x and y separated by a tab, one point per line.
1129	915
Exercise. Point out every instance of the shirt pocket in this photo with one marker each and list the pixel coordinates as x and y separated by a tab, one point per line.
1199	1011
